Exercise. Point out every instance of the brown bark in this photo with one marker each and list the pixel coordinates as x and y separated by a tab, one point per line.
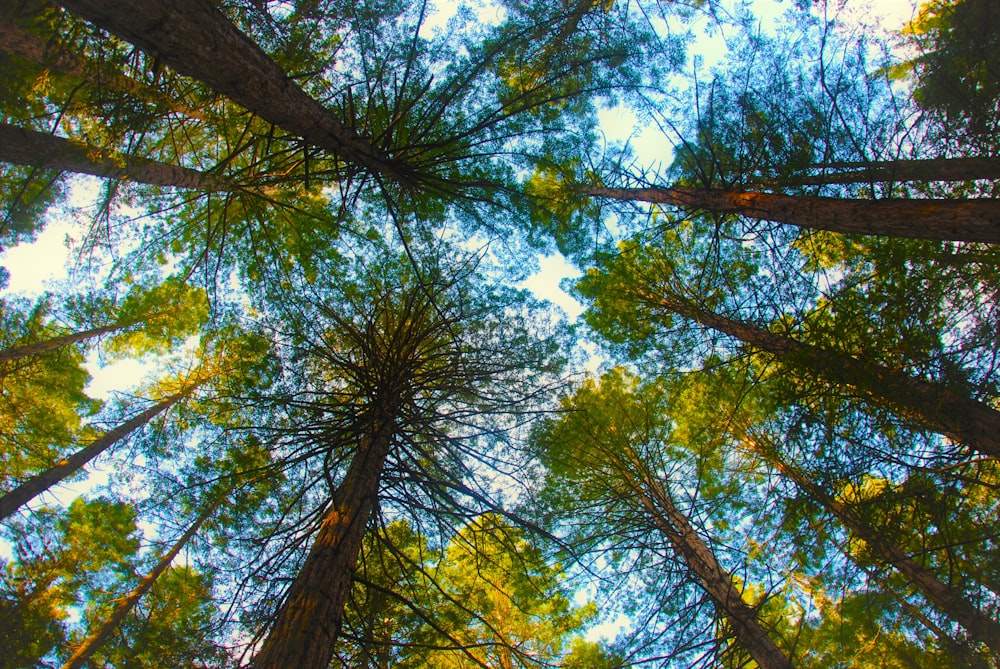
929	169
23	44
717	582
197	40
21	146
17	352
309	622
949	602
24	493
127	603
932	405
976	220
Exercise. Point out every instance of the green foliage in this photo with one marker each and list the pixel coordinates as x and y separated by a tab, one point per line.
957	70
489	597
42	399
171	627
62	560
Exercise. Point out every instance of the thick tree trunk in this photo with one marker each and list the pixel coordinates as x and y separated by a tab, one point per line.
17	352
38	484
717	582
127	603
37	149
309	622
929	169
197	40
931	405
975	220
23	44
949	602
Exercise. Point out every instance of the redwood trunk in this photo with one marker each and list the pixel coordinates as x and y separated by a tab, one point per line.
716	581
196	39
127	603
976	220
21	146
932	405
38	484
16	352
980	626
309	622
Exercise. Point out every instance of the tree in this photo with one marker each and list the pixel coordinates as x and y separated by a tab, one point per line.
164	314
127	603
400	362
640	279
58	556
612	446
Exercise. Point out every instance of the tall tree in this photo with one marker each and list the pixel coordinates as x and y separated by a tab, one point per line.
611	451
632	283
400	362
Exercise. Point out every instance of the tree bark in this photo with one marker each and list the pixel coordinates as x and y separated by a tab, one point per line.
92	643
197	40
17	352
24	493
309	622
927	169
931	405
21	146
717	582
976	220
951	603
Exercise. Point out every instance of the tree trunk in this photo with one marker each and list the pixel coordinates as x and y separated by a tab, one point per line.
309	622
16	352
717	582
127	603
24	44
21	146
930	169
197	40
931	405
38	484
975	220
952	604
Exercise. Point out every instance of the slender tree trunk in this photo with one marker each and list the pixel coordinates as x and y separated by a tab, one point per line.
949	602
975	220
309	622
930	169
932	405
197	40
24	493
127	603
17	352
24	44
21	146
717	582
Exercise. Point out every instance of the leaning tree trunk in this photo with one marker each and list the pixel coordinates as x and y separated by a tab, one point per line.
975	220
127	603
24	493
17	352
196	39
21	146
980	626
716	581
309	622
925	170
932	405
